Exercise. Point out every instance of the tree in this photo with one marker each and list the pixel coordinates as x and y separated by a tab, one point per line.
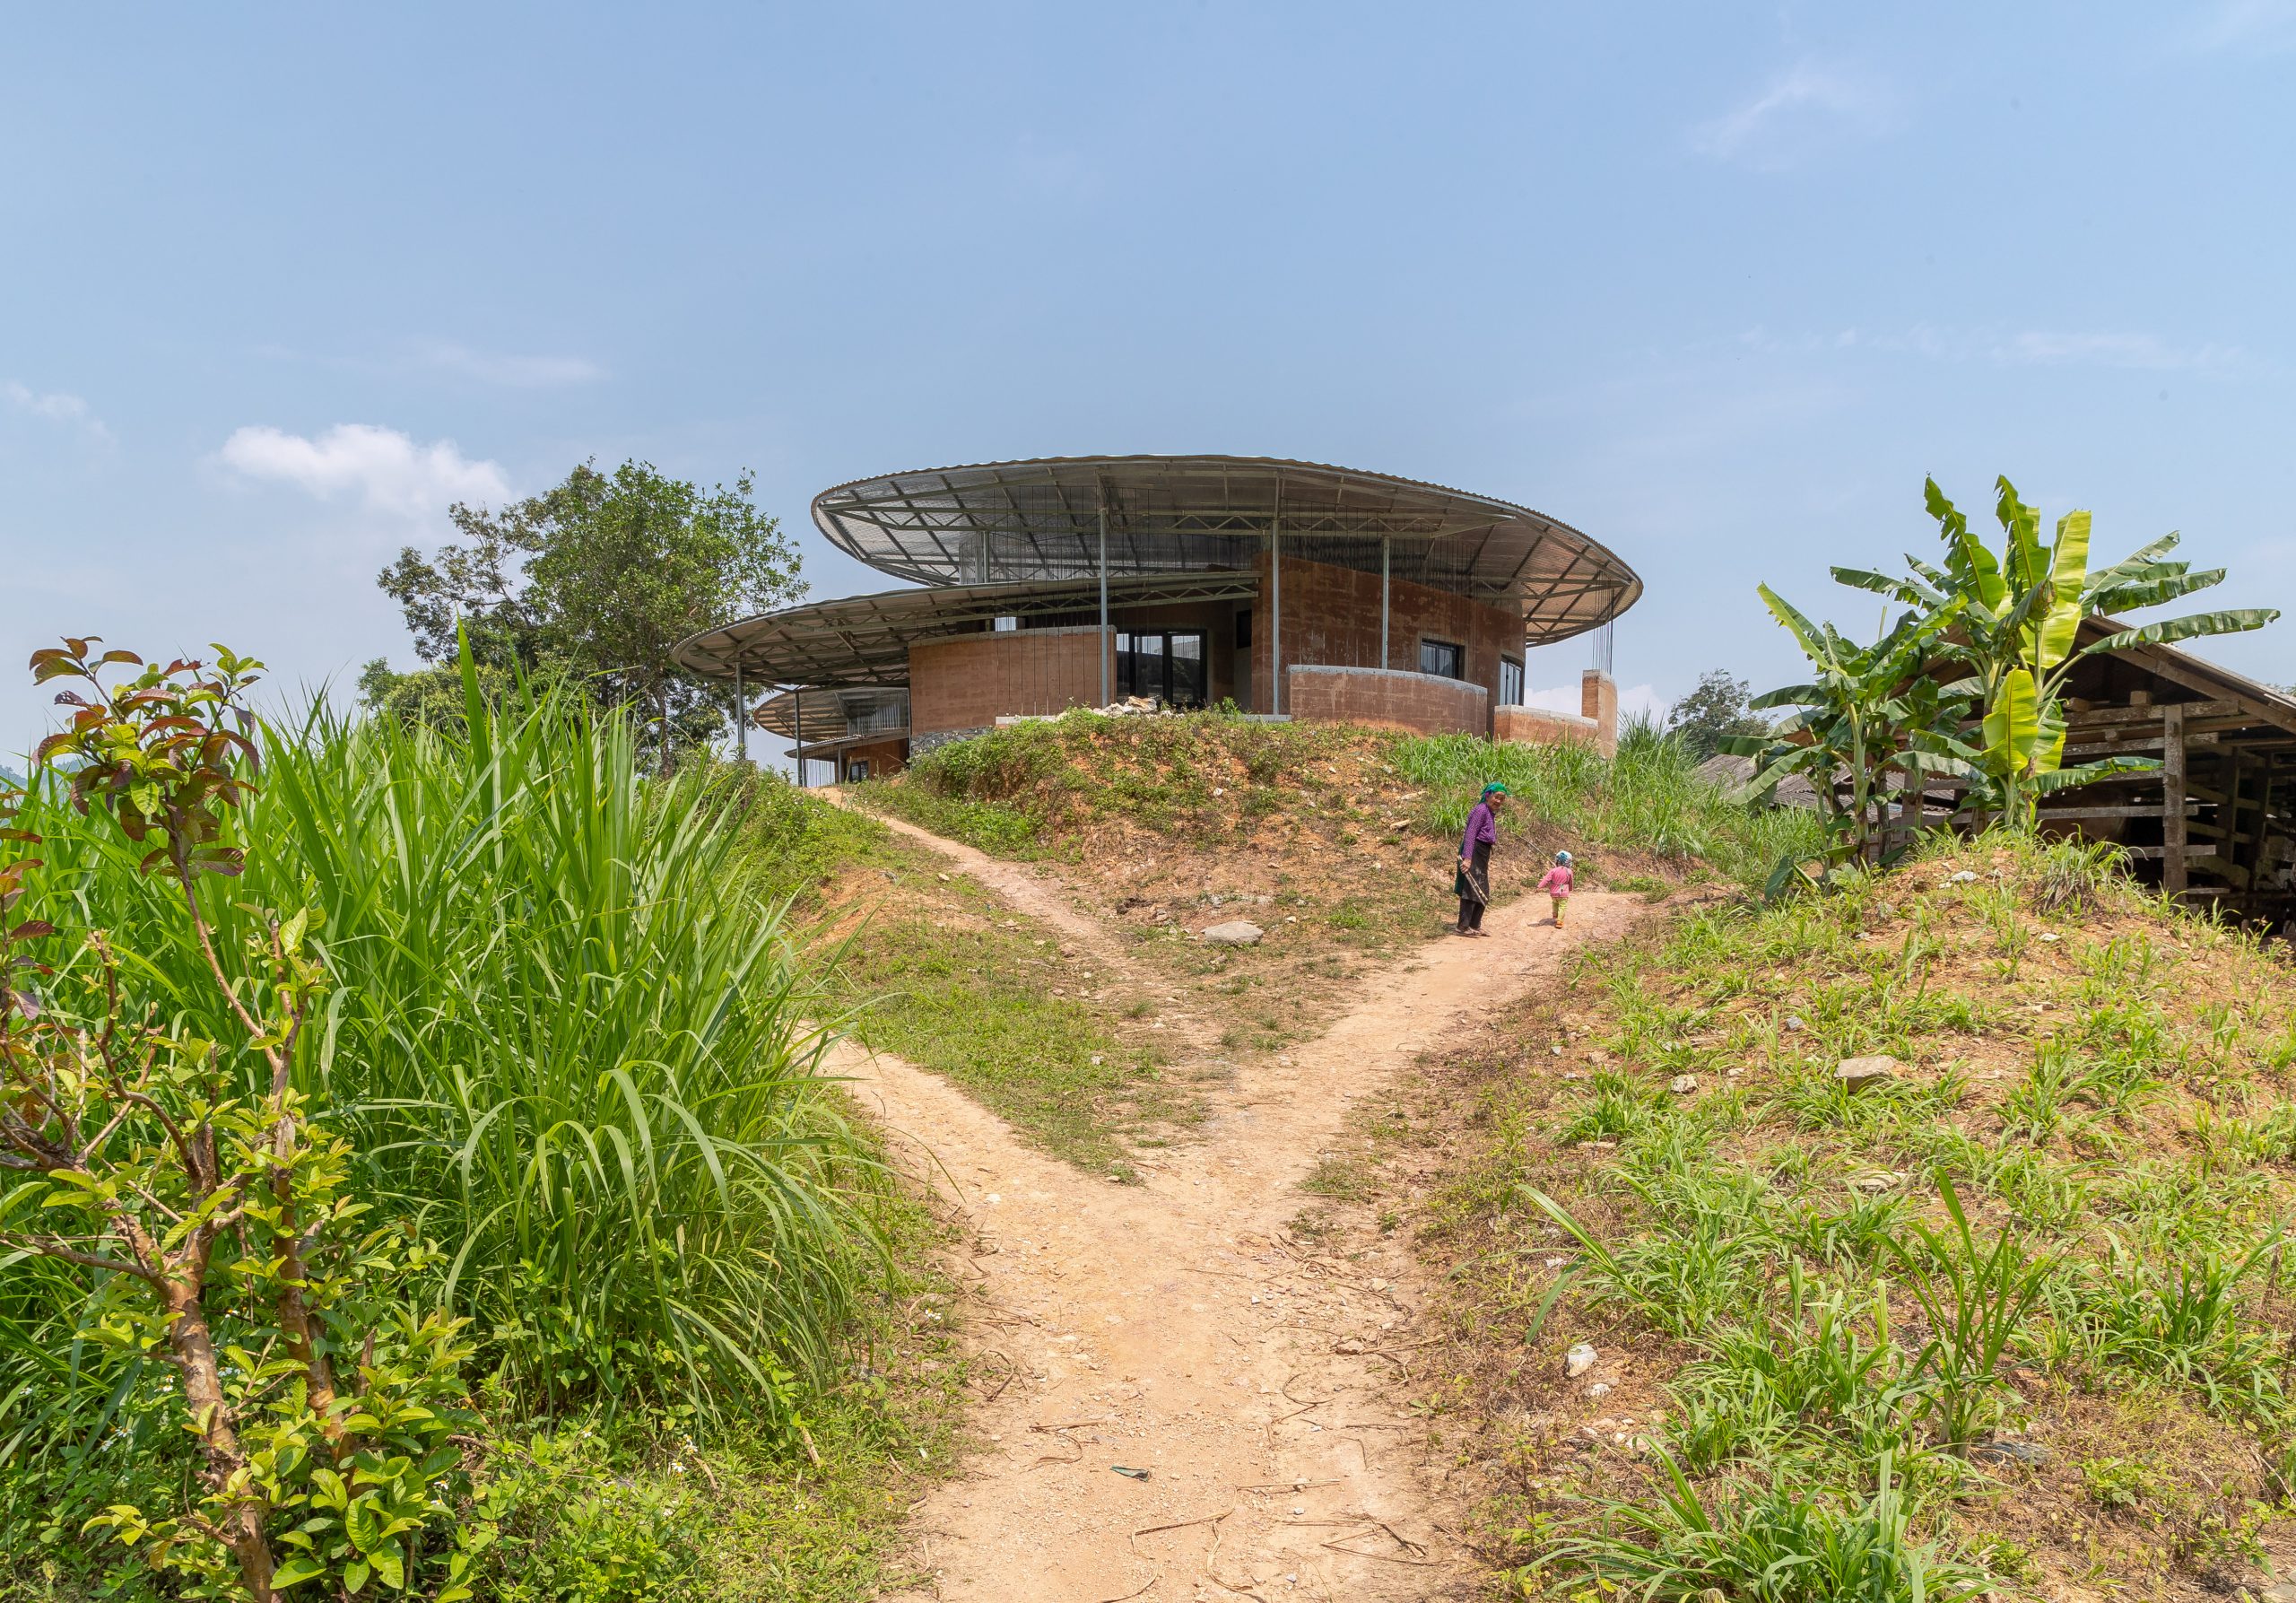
437	698
2019	619
597	579
1868	709
1714	711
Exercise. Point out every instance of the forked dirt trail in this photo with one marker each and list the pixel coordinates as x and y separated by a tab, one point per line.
1176	1328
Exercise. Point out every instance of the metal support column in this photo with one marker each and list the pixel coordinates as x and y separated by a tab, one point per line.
2173	801
1384	543
797	722
1106	645
741	715
1276	611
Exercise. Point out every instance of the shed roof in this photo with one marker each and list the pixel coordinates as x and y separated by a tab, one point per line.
2249	702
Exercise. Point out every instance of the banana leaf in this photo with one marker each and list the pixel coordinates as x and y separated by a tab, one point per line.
2156	589
1968	563
2192	626
1786	695
1883	584
2084	773
2068	577
2139	563
2027	565
1813	640
2012	724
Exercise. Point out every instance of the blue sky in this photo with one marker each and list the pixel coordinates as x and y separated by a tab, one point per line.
1718	283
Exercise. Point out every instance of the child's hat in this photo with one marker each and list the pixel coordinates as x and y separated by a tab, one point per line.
1562	856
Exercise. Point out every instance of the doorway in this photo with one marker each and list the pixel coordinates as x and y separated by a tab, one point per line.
1164	665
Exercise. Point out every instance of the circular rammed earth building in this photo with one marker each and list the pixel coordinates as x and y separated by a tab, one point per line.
1285	587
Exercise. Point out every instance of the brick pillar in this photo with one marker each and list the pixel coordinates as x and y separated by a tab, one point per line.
1598	700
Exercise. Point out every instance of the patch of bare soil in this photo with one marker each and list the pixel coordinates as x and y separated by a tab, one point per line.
1184	1399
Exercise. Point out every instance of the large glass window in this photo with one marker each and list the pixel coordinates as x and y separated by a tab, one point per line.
1443	660
1511	683
1164	665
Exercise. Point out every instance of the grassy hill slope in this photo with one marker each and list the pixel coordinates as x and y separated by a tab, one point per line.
1338	842
2017	1311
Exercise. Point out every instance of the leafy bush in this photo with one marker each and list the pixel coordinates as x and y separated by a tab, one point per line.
562	1032
179	1188
574	1530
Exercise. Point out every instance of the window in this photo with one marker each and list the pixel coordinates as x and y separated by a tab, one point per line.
1164	665
1005	625
856	771
1511	683
1244	630
1443	660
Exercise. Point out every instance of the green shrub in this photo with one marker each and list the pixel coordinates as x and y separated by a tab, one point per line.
576	1528
567	1038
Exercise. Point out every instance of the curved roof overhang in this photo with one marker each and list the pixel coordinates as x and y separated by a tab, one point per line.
838	713
1002	521
865	640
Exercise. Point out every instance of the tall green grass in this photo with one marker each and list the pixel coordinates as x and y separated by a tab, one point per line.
1649	797
567	1038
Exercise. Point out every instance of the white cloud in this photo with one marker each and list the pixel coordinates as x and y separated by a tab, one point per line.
1802	110
2030	347
2037	347
2263	26
518	372
55	406
385	470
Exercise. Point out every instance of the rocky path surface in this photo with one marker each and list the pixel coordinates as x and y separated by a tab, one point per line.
1188	1402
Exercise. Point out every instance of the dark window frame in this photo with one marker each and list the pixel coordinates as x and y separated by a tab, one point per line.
1127	660
1508	665
1458	657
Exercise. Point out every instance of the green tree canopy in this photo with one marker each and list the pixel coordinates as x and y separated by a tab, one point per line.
1713	712
595	580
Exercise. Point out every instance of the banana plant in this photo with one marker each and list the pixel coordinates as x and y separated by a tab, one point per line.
2018	621
1867	709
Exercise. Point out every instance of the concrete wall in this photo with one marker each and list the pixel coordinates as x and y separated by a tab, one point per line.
969	680
1535	725
1331	618
1417	703
1598	700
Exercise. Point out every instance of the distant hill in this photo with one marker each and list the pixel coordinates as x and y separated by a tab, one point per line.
9	776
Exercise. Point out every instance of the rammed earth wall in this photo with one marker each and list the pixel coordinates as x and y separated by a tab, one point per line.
1417	703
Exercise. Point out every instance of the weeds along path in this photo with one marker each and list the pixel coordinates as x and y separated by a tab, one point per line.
1021	888
1036	893
1179	1328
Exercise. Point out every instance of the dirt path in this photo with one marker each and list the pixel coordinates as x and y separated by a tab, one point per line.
1176	1327
1022	887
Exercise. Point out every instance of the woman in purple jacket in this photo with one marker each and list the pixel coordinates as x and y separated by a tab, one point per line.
1473	881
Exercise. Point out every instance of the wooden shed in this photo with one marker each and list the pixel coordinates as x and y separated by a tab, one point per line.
2217	820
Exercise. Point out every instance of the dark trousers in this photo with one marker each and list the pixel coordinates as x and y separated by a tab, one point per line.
1474	887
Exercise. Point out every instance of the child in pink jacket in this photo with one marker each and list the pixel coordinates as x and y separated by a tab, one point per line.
1557	885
